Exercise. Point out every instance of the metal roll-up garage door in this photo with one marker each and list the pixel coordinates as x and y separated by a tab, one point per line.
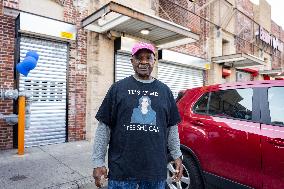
47	83
179	77
123	66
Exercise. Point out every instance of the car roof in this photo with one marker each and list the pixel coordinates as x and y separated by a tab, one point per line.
246	84
261	83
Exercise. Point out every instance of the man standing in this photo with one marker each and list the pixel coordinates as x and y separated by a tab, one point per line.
137	137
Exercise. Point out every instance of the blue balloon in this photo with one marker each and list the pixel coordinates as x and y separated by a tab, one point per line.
28	63
21	69
32	54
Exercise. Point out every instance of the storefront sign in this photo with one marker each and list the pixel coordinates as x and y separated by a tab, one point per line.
270	40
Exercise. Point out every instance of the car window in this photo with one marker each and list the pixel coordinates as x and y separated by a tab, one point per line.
201	104
235	103
276	105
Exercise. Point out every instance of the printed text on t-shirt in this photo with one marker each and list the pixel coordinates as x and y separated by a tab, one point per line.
144	93
140	127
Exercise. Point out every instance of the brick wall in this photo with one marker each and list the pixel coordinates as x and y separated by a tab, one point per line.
245	6
244	27
1	7
77	72
77	75
282	35
11	4
6	74
184	13
282	54
276	31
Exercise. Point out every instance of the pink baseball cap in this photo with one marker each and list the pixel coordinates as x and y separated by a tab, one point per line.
142	45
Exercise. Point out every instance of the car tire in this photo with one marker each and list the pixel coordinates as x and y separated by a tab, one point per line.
191	176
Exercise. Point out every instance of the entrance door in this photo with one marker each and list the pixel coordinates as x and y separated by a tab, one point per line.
47	83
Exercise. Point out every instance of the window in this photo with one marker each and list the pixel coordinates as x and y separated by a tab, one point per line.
201	104
276	105
235	103
243	76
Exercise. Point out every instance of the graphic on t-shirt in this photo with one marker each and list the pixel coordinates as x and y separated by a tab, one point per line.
144	114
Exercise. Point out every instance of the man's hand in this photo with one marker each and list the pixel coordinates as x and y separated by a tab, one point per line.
100	174
179	169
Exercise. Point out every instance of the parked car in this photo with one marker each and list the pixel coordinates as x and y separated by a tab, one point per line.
232	136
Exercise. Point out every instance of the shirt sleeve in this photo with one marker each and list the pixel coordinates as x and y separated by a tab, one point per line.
174	118
105	111
174	142
101	142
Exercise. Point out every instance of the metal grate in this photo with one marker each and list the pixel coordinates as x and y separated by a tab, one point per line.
179	77
123	66
47	82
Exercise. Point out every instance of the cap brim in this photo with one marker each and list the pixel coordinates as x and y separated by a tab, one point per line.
142	49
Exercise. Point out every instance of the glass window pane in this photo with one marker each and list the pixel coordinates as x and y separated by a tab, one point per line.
215	103
235	103
201	104
276	105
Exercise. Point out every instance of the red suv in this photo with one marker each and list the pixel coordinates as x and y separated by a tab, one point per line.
232	136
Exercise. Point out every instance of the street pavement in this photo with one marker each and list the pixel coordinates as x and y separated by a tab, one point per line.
56	166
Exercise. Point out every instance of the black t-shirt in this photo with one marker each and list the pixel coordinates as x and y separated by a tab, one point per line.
138	115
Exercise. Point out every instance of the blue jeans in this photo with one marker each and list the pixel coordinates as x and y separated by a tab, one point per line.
131	184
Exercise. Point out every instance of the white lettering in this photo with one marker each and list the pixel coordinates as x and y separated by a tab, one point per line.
274	42
144	93
145	128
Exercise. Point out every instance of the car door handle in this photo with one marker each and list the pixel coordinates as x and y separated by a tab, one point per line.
276	141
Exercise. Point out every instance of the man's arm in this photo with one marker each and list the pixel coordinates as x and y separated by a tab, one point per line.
174	142
101	142
174	148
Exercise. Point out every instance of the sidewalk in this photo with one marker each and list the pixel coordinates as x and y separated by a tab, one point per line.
57	166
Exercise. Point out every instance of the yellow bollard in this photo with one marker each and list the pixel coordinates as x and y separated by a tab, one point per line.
21	124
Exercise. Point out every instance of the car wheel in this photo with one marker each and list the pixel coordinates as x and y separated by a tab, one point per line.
191	178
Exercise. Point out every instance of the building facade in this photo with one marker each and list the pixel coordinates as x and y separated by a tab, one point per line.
198	43
58	84
237	37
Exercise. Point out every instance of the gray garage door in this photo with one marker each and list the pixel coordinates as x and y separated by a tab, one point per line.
179	77
47	82
123	66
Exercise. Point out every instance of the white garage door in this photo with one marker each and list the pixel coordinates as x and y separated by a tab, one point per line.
47	82
123	66
179	77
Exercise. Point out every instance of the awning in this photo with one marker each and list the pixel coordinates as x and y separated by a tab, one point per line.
125	20
273	73
239	60
253	72
42	26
